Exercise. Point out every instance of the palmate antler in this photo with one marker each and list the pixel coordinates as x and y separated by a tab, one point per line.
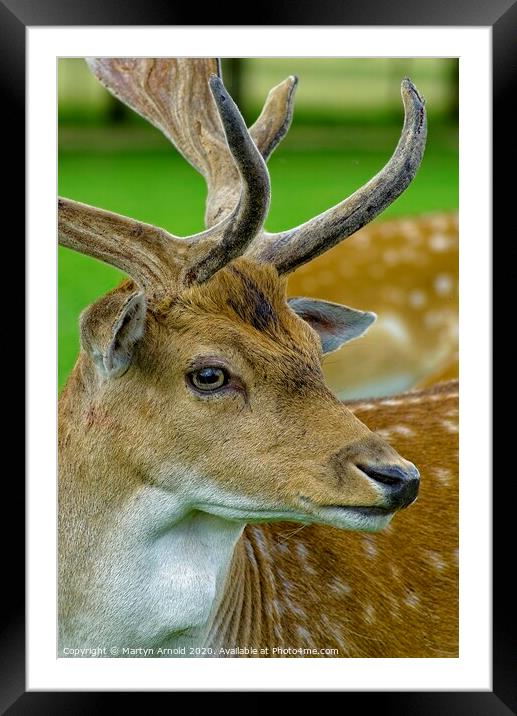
187	101
174	95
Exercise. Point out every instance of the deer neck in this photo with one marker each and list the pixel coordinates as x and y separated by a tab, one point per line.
186	563
154	579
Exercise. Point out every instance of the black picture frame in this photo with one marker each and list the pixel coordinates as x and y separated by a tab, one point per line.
501	16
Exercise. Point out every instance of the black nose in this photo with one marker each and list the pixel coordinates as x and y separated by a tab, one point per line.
400	483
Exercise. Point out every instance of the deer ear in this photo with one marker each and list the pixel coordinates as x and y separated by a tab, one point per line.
111	328
335	324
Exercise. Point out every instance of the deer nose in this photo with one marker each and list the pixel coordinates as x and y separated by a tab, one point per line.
400	483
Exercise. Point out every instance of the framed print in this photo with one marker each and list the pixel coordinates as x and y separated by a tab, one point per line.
478	678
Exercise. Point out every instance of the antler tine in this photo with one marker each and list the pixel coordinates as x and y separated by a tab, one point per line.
275	119
289	249
267	132
142	251
249	215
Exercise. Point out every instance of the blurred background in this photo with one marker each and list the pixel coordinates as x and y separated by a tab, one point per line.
347	120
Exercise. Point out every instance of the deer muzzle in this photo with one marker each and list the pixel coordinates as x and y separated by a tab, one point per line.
394	479
399	482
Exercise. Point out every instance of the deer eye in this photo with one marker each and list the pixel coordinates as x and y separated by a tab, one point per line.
208	379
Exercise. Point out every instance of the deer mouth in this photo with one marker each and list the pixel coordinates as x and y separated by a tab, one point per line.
362	518
373	511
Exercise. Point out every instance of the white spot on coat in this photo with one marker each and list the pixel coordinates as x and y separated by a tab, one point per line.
417	298
439	222
304	635
412	600
437	561
441	474
369	547
409	228
451	426
390	256
369	614
395	571
338	586
439	242
403	430
443	284
302	551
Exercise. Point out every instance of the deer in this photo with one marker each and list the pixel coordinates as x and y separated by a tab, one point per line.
196	427
406	269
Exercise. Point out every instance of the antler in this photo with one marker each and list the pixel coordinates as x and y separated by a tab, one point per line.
275	119
142	251
289	249
174	95
147	253
187	100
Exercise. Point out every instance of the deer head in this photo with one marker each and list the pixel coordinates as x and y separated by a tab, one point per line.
198	376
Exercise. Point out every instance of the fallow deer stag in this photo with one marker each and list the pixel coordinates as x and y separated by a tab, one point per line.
198	410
